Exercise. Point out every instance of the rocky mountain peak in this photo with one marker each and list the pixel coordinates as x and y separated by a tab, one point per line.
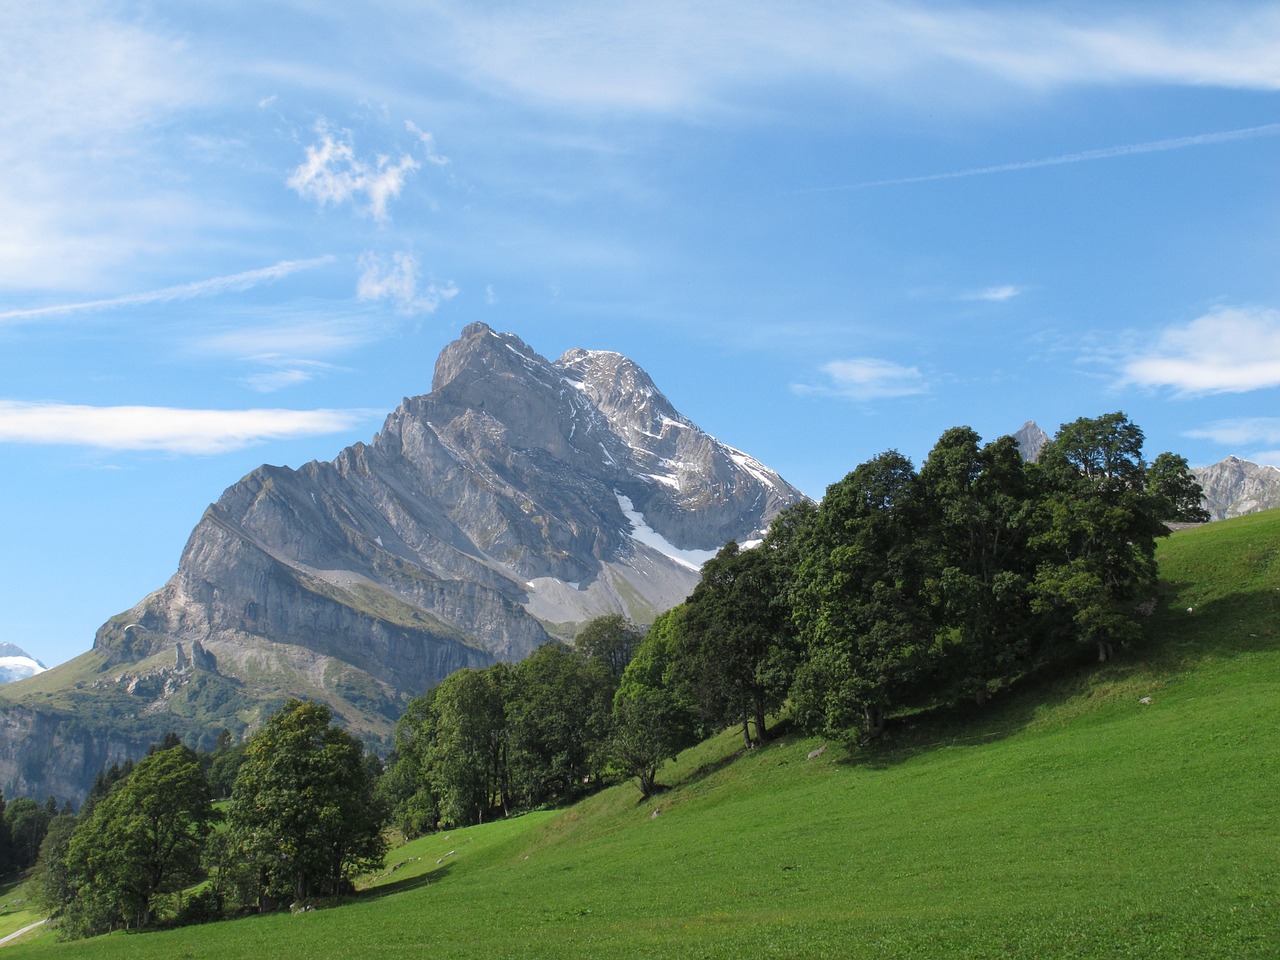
516	500
1031	440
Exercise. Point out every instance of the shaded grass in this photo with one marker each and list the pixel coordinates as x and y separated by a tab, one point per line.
16	907
1069	820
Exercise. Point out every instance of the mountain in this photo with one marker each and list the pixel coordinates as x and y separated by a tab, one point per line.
517	499
1234	487
1031	440
17	664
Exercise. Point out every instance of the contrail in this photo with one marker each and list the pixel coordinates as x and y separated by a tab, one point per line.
185	291
1084	156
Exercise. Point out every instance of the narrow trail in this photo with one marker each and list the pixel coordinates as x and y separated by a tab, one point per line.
17	933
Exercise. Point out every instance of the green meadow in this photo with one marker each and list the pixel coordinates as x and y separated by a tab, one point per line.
1066	819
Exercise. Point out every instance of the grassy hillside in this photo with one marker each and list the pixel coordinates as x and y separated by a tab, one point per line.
1067	819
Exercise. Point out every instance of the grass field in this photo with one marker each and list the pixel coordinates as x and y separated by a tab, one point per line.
1066	820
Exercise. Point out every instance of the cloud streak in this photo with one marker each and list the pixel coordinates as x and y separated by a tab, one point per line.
995	294
163	429
1240	431
663	55
1083	156
866	378
1228	350
232	283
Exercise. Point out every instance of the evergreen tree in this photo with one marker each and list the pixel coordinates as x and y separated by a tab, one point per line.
26	821
7	865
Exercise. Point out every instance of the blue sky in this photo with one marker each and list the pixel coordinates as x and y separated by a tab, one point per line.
234	233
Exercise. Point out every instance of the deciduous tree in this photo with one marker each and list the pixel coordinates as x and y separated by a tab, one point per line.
303	807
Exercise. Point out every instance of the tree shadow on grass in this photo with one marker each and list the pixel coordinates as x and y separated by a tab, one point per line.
405	884
1175	641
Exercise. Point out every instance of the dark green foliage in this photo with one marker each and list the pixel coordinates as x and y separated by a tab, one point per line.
486	742
404	785
26	821
977	520
652	720
1177	497
859	598
143	839
6	842
735	657
465	761
611	639
303	811
53	876
1096	529
558	711
223	765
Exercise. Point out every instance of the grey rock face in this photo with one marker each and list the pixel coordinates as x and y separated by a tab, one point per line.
517	499
1031	440
1234	487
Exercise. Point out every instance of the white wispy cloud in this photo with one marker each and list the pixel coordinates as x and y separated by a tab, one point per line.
333	174
866	378
164	429
396	280
995	294
281	372
310	335
1228	350
1081	156
663	55
1240	432
428	142
232	283
85	95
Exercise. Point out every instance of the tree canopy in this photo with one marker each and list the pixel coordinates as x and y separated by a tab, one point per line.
303	810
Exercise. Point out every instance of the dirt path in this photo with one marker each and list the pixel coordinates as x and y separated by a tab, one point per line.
17	933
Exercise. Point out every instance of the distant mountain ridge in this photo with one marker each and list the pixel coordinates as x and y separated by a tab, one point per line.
1233	487
517	499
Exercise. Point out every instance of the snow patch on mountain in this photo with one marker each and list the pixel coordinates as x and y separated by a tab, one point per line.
641	531
17	664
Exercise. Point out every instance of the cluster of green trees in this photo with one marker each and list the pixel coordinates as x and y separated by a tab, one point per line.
23	825
902	588
302	820
489	741
906	587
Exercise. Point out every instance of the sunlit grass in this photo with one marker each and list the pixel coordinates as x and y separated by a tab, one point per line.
1068	819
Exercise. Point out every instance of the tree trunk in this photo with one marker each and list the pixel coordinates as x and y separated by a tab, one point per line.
746	731
759	720
874	715
1105	651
